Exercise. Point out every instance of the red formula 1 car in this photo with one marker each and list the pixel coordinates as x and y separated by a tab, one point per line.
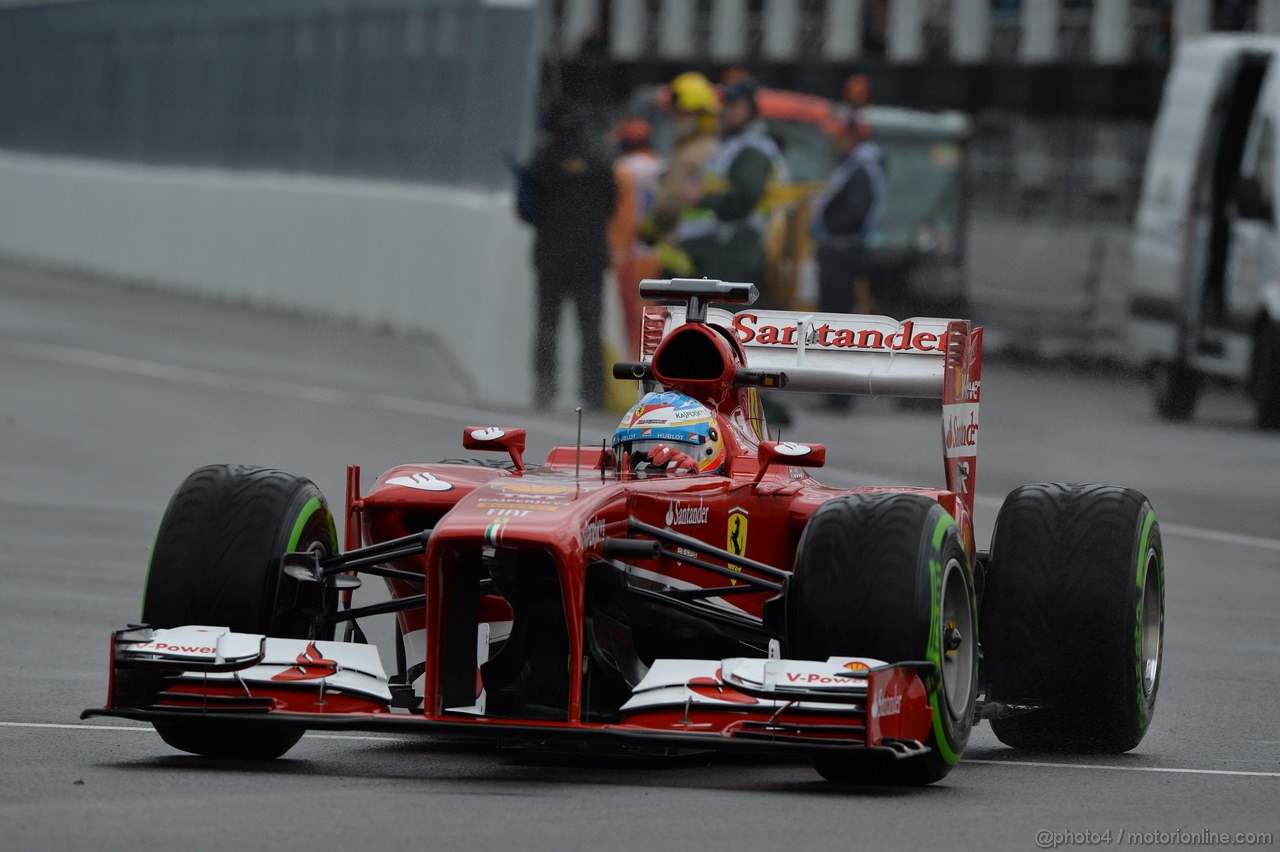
609	598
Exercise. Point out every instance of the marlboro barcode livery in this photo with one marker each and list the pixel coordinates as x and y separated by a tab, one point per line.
688	584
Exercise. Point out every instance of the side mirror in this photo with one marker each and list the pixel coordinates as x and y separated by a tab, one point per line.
1250	201
790	453
496	439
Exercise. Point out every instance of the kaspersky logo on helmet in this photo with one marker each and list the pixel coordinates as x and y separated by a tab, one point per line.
667	415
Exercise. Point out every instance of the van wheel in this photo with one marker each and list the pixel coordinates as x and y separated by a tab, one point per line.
1177	388
1266	375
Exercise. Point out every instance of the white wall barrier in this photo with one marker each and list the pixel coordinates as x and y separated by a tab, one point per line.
448	262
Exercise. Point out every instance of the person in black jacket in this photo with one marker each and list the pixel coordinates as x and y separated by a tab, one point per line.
846	214
844	221
568	196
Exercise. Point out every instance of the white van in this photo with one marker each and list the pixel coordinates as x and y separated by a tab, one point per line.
1205	286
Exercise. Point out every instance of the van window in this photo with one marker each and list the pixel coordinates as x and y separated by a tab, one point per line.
1260	158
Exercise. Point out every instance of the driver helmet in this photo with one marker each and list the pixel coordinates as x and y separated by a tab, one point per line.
666	418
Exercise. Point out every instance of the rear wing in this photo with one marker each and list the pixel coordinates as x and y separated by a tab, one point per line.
867	355
833	353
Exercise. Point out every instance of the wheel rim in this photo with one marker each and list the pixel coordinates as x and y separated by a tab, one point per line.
1152	625
315	537
959	643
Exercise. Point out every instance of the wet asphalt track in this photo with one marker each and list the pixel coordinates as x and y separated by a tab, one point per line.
110	396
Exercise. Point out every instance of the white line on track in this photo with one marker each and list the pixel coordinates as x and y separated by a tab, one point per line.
1170	769
1185	531
76	727
1220	536
474	414
149	729
1023	763
1180	530
142	368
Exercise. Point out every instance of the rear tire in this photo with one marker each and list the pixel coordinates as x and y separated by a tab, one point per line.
217	562
1177	388
1073	617
883	576
1266	375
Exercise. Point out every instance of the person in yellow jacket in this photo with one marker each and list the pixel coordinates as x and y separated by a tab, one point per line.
694	108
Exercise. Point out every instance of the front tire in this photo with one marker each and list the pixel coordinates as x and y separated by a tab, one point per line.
216	562
886	576
1073	617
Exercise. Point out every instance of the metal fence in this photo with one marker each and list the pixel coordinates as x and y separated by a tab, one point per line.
423	90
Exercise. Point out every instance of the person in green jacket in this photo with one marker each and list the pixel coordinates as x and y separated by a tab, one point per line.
722	229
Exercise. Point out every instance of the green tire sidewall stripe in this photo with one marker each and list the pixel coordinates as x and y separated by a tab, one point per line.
333	534
937	698
1144	545
310	508
146	583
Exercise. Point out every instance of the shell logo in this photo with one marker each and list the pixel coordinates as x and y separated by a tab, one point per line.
856	666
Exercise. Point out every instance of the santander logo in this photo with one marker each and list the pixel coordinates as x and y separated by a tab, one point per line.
960	434
713	687
750	331
311	666
679	515
787	448
422	481
888	705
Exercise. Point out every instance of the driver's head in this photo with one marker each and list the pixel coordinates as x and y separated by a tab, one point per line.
673	421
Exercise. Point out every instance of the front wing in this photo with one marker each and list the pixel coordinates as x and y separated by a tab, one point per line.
210	675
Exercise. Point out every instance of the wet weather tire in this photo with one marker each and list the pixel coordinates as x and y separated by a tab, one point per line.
216	561
885	576
1073	617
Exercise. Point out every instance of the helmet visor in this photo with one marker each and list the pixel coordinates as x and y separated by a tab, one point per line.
636	452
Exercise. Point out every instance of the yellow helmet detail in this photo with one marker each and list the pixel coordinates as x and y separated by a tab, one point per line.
692	92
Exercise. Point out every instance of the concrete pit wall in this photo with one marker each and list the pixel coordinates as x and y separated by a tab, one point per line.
451	263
